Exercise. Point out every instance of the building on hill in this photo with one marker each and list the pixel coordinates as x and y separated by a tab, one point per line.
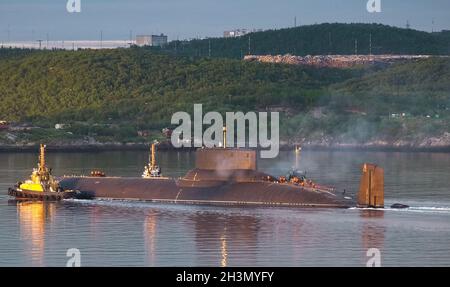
151	40
239	32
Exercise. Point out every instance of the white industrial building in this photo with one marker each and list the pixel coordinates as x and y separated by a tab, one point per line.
151	40
239	32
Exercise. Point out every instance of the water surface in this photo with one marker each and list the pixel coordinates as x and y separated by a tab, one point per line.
148	234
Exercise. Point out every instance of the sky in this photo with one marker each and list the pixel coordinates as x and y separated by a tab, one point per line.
29	20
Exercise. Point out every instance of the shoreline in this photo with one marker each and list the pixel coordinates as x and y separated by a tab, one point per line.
95	148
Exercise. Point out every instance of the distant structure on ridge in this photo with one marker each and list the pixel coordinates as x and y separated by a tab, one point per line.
239	32
151	40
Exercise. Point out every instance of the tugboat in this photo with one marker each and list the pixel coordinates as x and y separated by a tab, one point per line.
222	176
41	185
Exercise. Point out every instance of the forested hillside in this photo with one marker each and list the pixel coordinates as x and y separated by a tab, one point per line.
406	104
112	94
144	87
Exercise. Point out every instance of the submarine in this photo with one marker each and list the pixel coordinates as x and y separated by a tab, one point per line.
222	176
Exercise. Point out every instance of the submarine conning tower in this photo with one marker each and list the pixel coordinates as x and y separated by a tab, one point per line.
222	164
225	159
225	164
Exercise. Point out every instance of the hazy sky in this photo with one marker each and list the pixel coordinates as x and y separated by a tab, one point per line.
34	19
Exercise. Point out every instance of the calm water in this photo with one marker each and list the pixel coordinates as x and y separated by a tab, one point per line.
147	234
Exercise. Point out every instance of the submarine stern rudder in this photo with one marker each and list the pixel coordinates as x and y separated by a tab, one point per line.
371	188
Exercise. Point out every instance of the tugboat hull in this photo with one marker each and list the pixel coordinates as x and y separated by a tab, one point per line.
44	196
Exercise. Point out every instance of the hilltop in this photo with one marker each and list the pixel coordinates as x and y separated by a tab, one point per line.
319	39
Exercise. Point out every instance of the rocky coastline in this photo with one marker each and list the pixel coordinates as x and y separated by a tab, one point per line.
430	144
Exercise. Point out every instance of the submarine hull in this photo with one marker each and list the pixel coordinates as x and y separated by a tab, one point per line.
215	192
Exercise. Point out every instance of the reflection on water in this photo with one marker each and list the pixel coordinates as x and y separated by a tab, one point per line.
146	234
33	217
223	249
221	234
372	234
150	237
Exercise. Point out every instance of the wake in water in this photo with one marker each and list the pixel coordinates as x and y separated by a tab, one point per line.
433	209
145	204
121	203
418	209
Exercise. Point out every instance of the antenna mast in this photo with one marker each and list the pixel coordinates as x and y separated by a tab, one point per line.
131	36
209	48
329	43
297	156
153	159
42	158
224	137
